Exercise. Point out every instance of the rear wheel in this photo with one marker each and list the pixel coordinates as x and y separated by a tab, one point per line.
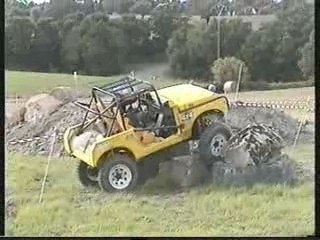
119	173
87	175
212	142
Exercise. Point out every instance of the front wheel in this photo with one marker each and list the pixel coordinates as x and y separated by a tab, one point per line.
119	173
212	142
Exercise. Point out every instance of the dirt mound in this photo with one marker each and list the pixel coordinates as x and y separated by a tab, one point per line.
64	94
287	126
40	106
35	134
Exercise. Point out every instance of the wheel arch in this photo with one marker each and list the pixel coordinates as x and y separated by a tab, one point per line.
119	150
211	111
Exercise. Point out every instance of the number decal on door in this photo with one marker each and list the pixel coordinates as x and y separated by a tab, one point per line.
186	116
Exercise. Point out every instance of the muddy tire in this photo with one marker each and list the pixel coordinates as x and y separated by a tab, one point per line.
86	175
212	141
118	173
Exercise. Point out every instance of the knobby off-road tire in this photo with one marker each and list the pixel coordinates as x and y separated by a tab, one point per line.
212	141
118	173
84	174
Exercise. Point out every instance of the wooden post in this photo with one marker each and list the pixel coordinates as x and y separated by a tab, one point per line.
48	163
75	77
300	127
238	82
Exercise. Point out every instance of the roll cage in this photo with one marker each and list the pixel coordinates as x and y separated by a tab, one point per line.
121	93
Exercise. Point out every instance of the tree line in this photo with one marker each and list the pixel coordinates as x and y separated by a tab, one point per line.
65	36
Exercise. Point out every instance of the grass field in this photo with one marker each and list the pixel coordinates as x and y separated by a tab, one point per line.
156	209
29	83
25	84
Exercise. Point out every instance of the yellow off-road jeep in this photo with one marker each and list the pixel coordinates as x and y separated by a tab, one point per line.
134	127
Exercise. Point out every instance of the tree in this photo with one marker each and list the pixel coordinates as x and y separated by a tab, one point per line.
193	49
233	34
108	6
177	50
125	6
70	21
57	9
227	69
101	47
19	39
136	34
306	63
88	7
162	24
188	51
71	50
35	13
46	45
271	54
142	7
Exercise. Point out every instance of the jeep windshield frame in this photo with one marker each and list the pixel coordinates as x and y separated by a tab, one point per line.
115	91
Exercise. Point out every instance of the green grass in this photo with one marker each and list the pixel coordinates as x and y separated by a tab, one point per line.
154	210
29	83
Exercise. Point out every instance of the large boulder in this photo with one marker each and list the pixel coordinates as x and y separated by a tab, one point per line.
64	94
40	106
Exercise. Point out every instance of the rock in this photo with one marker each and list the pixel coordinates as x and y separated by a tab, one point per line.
40	106
16	116
64	94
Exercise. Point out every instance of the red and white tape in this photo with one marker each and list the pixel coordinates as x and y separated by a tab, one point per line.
271	105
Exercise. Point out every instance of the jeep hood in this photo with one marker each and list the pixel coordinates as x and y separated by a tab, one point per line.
184	94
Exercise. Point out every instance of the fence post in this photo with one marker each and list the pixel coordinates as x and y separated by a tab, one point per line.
54	136
238	83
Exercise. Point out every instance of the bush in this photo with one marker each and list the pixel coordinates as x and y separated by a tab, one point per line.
227	69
